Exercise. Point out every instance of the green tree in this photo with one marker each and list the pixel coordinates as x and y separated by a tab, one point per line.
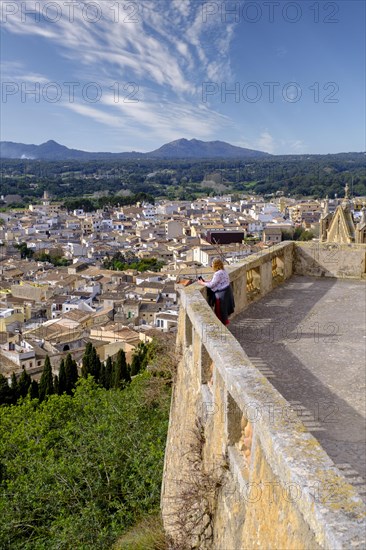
297	233
46	387
91	363
71	374
95	365
102	376
108	374
14	387
6	393
135	366
62	378
81	469
25	252
33	390
56	385
287	236
121	375
306	236
24	383
86	367
139	359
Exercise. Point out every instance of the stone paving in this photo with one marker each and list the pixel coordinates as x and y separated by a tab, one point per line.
308	338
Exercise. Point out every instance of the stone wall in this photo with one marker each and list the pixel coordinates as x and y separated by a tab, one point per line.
31	292
241	470
330	260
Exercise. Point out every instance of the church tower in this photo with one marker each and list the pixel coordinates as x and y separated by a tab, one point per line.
46	199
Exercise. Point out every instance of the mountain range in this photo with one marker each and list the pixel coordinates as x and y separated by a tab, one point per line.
178	149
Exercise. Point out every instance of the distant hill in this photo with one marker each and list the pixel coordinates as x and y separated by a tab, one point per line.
51	150
194	148
181	148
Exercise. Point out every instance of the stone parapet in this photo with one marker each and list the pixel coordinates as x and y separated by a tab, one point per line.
330	260
241	470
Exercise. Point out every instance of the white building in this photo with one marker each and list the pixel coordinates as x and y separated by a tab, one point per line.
166	320
149	212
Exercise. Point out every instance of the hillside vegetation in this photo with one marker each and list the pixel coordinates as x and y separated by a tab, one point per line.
76	471
127	181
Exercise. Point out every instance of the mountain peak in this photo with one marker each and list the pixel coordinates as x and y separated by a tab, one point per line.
178	149
50	142
195	148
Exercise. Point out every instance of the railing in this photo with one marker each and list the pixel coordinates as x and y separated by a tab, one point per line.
301	500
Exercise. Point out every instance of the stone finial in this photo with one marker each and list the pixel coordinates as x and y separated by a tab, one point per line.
346	204
346	191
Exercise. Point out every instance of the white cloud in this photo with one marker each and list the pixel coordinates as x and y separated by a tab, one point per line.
182	6
266	142
96	114
269	144
17	72
169	120
169	43
168	51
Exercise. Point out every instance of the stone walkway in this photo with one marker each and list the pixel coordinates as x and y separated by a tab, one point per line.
308	338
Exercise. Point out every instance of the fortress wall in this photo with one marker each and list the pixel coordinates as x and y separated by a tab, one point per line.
241	471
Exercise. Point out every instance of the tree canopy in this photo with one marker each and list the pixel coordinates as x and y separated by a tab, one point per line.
76	471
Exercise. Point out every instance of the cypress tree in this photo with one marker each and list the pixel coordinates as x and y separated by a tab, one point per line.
56	385
71	373
97	368
14	387
33	390
144	355
108	374
87	360
6	393
121	375
94	363
46	382
102	376
24	383
135	364
116	376
62	378
125	369
139	359
91	363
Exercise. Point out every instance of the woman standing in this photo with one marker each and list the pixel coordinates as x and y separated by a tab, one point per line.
223	299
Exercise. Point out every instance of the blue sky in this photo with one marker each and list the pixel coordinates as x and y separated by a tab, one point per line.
120	75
